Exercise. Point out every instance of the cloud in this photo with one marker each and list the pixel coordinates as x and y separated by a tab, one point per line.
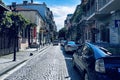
38	2
60	14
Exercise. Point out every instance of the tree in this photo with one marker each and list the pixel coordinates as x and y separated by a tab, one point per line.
11	25
62	33
5	21
19	23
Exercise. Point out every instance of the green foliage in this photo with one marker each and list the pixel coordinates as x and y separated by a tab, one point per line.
18	21
78	14
13	20
32	24
62	33
5	21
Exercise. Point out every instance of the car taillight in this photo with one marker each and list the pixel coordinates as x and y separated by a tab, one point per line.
99	66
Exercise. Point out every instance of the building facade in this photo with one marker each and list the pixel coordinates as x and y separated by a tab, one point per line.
102	21
36	19
46	24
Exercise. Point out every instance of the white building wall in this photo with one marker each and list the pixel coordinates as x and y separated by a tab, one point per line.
34	17
30	15
114	38
115	31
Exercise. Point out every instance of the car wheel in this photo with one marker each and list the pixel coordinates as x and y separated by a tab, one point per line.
86	76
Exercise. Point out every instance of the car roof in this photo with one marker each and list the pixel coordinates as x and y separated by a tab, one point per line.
98	53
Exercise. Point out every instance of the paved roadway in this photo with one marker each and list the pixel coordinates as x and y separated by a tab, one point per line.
50	64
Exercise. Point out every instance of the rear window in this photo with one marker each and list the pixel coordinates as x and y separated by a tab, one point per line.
71	42
114	50
111	48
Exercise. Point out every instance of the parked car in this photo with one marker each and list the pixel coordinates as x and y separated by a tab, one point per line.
70	46
62	42
96	63
55	42
34	45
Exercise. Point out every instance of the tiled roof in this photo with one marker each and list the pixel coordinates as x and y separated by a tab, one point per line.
24	9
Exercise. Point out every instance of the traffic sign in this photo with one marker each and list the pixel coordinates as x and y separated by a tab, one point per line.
117	23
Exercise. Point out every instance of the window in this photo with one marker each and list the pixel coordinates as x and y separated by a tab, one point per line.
87	51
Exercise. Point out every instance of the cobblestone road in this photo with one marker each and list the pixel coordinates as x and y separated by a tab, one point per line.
51	64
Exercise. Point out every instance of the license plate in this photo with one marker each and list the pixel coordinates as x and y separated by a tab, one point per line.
118	69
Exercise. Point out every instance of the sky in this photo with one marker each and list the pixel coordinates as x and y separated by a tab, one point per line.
60	8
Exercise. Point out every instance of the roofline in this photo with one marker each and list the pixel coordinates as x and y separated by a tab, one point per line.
26	4
33	10
6	9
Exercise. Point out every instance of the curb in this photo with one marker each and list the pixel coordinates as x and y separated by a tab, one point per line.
11	67
7	69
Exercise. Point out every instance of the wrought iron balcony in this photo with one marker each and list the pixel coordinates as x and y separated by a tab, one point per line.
106	6
102	3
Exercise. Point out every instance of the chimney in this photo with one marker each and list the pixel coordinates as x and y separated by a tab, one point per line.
44	3
31	1
25	2
13	4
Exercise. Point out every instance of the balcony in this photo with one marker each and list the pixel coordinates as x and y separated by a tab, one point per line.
91	12
102	8
83	18
101	3
106	6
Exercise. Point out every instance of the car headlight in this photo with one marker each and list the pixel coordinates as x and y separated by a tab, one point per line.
99	66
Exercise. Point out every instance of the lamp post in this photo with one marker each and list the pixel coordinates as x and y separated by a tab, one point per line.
14	55
15	35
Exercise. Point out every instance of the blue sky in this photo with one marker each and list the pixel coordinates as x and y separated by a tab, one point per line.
60	8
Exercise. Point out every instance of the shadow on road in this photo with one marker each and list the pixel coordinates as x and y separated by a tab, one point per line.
73	73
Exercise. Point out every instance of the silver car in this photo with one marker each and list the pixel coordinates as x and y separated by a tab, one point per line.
70	46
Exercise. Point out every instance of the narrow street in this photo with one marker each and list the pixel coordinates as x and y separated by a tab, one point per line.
51	64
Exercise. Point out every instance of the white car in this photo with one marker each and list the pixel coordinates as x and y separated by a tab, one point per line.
55	42
70	46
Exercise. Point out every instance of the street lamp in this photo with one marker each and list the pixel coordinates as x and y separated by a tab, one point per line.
15	37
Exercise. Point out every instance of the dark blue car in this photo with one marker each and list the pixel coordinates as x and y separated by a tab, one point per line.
96	63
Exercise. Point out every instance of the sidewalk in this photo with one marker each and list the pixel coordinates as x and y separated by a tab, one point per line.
7	63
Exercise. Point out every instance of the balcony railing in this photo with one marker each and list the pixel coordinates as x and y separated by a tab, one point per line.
102	3
83	18
92	9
